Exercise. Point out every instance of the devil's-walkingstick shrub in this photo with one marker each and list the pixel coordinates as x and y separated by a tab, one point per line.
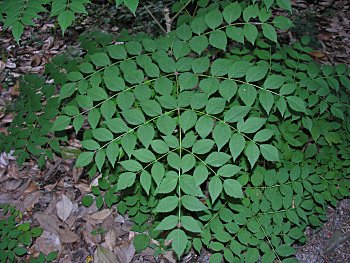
213	136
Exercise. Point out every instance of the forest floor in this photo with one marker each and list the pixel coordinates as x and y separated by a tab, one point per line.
50	195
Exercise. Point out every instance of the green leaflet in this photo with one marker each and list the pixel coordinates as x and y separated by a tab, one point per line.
190	224
167	204
233	188
179	241
192	203
215	188
168	223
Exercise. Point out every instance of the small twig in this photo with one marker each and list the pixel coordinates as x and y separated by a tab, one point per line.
155	19
168	20
182	8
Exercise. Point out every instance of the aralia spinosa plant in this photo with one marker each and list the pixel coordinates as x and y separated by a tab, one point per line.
212	136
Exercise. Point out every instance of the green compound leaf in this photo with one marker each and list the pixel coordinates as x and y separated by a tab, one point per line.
67	90
237	145
191	203
131	165
282	22
217	159
269	32
132	5
87	200
250	32
269	152
178	240
215	188
252	152
167	204
213	19
296	103
202	146
285	4
126	180
251	125
233	188
146	181
256	73
190	224
61	123
199	43
141	242
263	135
232	12
100	59
218	39
84	159
102	134
285	250
20	251
65	19
168	223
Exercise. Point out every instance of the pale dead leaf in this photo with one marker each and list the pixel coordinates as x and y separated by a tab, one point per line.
48	222
89	238
10	64
170	256
103	255
102	215
31	200
48	242
111	239
64	207
125	252
67	236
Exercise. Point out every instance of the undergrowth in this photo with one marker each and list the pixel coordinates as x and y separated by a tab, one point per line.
212	136
16	237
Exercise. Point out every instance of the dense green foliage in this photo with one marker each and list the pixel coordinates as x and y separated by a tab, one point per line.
214	135
15	237
17	14
30	129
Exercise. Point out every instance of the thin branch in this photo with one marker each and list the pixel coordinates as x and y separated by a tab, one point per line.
182	8
155	19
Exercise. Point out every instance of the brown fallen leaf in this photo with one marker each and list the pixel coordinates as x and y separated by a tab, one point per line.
48	242
31	200
111	239
64	208
67	236
103	255
49	223
101	215
317	54
125	252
